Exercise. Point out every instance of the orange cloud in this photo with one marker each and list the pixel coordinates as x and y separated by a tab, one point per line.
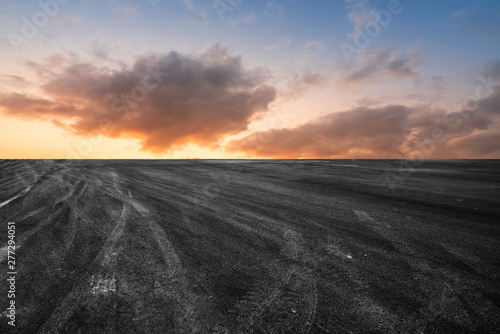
165	101
391	131
172	100
361	132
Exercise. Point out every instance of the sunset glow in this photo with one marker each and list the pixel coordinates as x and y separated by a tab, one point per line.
249	79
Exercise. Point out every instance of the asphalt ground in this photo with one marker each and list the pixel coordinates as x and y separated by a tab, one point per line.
252	246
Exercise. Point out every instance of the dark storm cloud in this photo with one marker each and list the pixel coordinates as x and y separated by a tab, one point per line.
165	101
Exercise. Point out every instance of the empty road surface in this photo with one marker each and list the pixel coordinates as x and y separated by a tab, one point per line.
275	246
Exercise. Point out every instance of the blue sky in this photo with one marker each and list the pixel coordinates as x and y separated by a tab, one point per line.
259	24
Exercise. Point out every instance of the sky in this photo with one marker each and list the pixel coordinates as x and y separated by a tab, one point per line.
241	79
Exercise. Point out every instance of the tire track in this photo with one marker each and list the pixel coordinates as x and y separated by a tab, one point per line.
54	257
444	301
470	259
28	186
91	287
294	296
22	239
259	300
45	222
105	279
75	211
386	231
173	283
20	194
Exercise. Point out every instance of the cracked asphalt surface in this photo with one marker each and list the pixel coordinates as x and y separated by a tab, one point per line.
257	246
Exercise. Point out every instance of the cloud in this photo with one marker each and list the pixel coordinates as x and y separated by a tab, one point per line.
189	4
360	132
300	82
100	48
492	72
392	131
484	145
124	10
436	91
197	99
475	20
389	132
438	85
198	15
275	12
356	8
53	63
68	22
282	42
313	44
368	101
359	14
15	80
249	19
273	47
372	64
25	106
310	51
492	31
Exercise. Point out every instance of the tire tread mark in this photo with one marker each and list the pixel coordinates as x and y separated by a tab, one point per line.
80	293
